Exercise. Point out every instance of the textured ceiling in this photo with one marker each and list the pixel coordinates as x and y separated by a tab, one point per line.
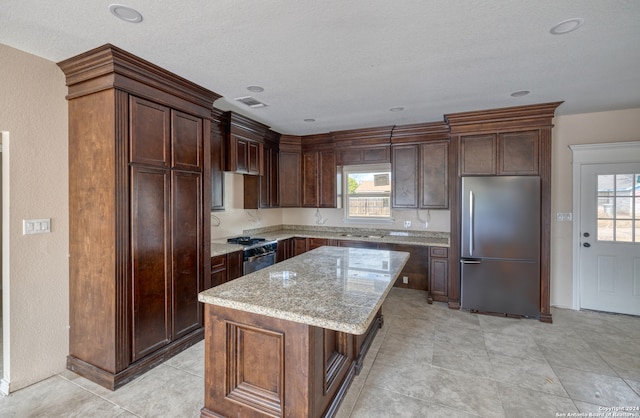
346	63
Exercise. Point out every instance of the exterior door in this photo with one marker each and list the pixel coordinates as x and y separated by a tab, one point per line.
609	254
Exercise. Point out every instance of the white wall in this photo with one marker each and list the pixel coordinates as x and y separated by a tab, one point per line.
588	128
33	111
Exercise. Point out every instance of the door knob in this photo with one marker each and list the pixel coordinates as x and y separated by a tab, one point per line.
586	245
586	235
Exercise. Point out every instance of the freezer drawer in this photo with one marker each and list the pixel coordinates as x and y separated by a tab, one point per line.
501	286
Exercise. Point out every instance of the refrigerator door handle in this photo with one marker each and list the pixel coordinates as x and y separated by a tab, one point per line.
470	262
471	222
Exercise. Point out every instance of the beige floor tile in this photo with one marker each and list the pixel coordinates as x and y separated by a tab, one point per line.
163	391
190	360
57	397
525	403
577	358
376	402
527	373
596	388
512	345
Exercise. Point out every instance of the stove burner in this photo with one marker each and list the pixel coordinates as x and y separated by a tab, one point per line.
245	240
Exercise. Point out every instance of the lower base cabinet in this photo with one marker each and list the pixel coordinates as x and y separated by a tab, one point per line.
226	267
438	274
275	367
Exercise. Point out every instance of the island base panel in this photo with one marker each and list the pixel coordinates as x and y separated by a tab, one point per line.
258	366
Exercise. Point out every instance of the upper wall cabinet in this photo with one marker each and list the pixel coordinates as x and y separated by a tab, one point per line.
290	167
219	131
262	192
318	172
363	146
504	154
245	145
419	164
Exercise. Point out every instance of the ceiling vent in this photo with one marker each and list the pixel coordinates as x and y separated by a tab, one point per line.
252	102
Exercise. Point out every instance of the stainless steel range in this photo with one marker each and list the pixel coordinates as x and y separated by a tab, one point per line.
258	253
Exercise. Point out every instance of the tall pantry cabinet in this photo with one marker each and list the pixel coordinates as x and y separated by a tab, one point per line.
139	204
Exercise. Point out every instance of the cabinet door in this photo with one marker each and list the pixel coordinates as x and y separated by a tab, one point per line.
327	179
438	274
518	153
240	150
313	243
310	179
478	155
404	176
274	172
217	170
186	251
234	265
149	130
254	158
283	251
417	268
289	179
299	246
186	141
263	181
358	244
218	270
150	251
434	175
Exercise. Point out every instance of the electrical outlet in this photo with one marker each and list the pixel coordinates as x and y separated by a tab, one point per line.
407	224
564	217
405	280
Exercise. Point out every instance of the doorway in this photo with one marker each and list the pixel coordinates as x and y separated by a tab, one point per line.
606	227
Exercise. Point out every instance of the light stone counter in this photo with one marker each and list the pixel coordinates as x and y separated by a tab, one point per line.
337	288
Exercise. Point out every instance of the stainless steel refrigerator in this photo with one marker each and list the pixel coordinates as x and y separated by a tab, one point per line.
500	245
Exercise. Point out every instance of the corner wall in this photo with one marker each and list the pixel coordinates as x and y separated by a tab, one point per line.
586	128
33	109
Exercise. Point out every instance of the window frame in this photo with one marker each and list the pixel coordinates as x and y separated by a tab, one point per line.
364	169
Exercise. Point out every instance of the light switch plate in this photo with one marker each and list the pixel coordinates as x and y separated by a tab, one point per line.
36	226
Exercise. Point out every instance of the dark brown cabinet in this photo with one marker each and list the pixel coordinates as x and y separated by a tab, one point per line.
434	175
298	246
438	274
504	142
226	267
218	270
362	146
245	145
284	249
319	179
417	268
504	154
364	155
219	131
262	192
420	166
518	153
137	225
404	176
290	167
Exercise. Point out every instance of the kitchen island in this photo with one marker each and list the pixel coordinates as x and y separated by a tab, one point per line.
286	341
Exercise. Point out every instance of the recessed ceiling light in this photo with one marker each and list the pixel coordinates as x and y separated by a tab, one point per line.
309	120
520	93
125	13
567	26
255	89
397	109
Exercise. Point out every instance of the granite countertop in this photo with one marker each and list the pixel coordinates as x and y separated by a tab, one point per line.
435	239
337	288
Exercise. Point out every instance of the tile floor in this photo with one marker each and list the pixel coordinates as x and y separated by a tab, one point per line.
427	361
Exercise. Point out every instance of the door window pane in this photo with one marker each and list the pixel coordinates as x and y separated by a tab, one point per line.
618	207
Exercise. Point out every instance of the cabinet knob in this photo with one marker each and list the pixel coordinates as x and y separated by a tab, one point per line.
586	245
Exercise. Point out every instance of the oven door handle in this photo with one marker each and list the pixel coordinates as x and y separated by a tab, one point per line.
255	257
